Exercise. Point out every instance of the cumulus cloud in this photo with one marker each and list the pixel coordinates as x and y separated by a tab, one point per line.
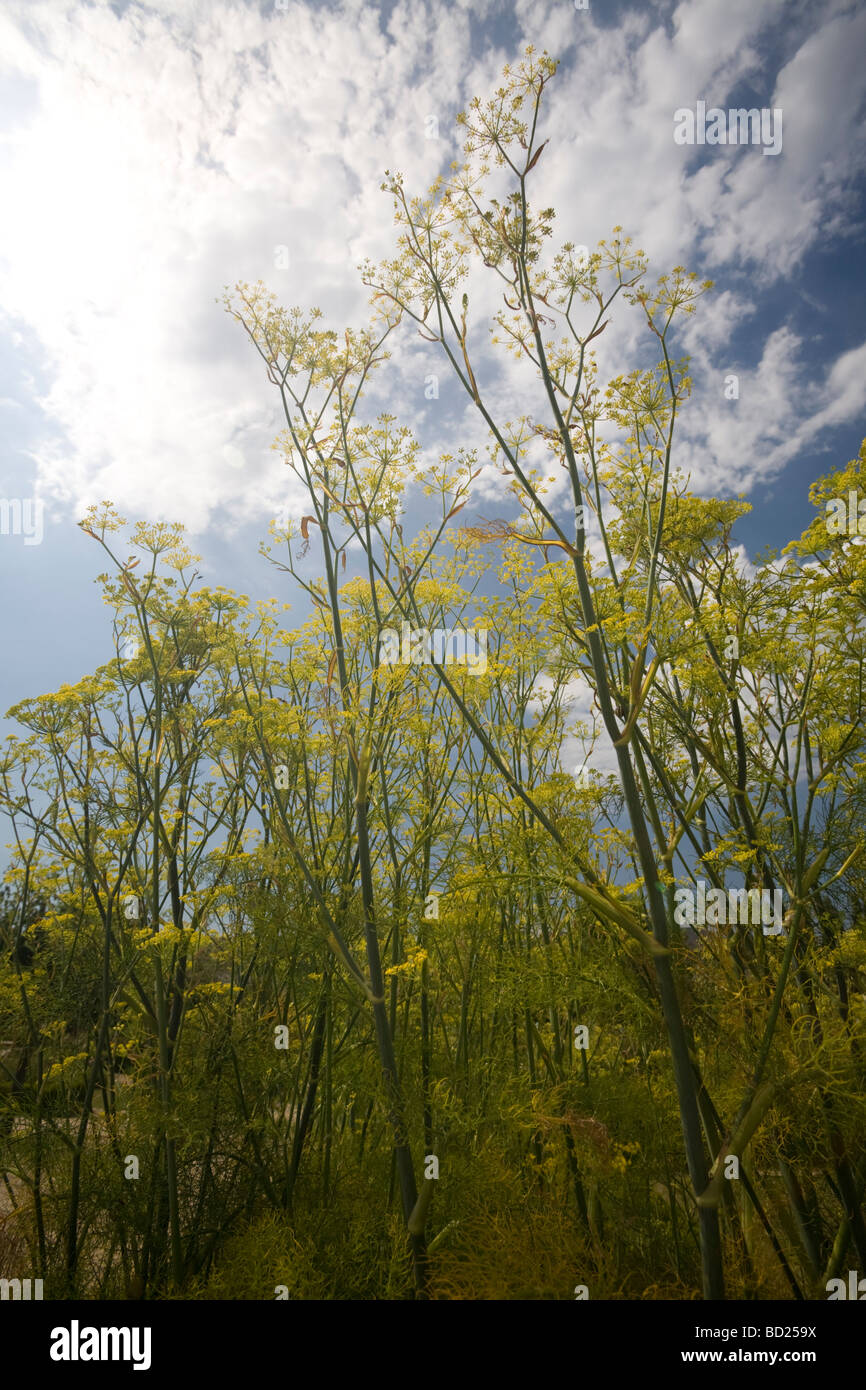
151	155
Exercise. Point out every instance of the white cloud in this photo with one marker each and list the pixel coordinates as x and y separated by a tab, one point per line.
161	153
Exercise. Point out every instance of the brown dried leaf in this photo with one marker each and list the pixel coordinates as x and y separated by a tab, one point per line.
535	158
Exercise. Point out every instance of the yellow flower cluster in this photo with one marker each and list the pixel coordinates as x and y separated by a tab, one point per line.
410	965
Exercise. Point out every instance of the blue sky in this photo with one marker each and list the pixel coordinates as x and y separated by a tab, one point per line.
151	154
